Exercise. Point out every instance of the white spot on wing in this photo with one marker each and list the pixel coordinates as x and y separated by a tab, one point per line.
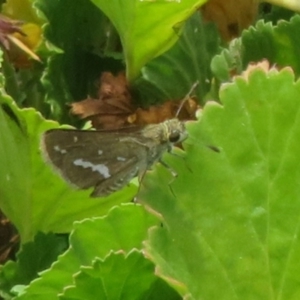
100	152
100	168
58	149
75	138
120	158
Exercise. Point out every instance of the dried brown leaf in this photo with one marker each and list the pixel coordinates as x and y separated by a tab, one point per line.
231	16
168	110
8	239
111	109
113	86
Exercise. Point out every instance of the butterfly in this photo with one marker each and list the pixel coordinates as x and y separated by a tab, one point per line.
107	160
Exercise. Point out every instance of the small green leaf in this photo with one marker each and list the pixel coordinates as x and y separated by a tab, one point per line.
21	10
116	277
123	229
190	56
276	43
34	257
119	276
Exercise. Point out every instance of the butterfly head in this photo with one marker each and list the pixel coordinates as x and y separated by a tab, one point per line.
175	131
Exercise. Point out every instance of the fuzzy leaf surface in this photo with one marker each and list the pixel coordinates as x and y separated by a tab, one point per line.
233	215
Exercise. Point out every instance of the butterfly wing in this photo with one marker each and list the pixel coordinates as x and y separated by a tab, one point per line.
106	160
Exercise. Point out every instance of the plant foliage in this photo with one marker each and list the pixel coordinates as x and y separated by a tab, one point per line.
226	226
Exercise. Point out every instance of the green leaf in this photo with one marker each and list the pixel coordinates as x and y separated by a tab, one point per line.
113	278
32	195
190	56
231	218
275	14
278	44
34	257
228	62
146	28
21	10
119	276
79	31
123	229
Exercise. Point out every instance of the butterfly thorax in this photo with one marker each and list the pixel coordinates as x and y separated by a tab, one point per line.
162	137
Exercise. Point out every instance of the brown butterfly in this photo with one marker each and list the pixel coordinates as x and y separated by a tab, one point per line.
107	160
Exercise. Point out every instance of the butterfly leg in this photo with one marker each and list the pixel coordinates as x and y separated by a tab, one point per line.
171	170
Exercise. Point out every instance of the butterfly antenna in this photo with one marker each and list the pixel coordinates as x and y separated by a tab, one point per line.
187	97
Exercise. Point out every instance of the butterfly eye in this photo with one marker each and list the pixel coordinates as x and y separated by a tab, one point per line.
174	136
